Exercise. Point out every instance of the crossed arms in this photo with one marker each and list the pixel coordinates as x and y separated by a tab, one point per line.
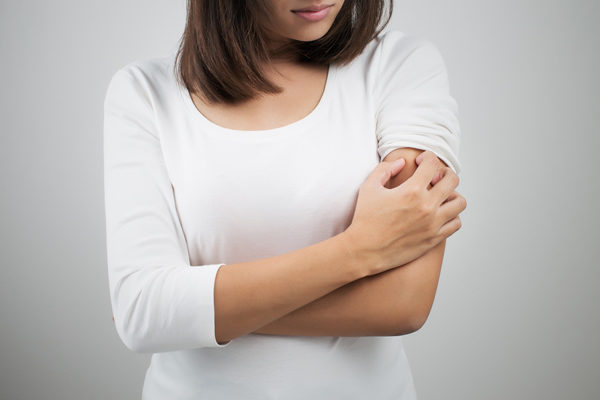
394	302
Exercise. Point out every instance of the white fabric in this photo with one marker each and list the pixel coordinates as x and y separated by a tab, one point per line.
185	196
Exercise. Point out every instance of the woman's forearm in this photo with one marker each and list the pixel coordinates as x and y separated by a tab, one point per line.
394	302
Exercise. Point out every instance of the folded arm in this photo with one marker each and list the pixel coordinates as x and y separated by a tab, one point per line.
395	302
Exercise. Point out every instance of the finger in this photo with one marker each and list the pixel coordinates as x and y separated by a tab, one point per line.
436	178
438	174
452	196
446	185
453	207
450	227
384	171
419	158
426	169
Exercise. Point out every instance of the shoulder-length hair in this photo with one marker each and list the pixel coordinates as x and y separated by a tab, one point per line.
224	45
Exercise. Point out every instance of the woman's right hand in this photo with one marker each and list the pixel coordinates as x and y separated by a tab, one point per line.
392	227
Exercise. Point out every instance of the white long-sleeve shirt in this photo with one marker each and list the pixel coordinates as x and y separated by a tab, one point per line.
185	196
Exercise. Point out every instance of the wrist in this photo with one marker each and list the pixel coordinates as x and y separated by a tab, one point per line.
360	261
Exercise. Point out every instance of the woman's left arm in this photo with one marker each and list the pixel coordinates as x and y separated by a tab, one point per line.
395	302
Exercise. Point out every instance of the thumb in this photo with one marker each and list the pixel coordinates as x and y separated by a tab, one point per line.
385	170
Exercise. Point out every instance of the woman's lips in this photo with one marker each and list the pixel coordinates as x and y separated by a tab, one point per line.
313	16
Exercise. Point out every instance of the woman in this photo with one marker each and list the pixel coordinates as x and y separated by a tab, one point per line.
257	245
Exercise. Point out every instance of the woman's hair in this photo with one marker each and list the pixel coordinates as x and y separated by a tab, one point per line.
225	42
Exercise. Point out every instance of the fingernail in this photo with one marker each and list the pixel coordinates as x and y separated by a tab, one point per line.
419	158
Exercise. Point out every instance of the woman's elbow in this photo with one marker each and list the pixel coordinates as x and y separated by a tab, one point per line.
414	320
134	312
419	320
133	319
133	336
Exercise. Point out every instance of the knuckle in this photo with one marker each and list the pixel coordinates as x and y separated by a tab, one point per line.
412	191
430	206
463	203
429	156
454	179
431	241
426	208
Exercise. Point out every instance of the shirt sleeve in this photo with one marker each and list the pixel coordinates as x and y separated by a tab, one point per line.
159	302
414	107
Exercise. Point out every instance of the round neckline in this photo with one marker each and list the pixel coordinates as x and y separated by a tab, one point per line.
299	125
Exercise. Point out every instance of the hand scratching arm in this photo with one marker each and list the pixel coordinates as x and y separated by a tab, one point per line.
397	301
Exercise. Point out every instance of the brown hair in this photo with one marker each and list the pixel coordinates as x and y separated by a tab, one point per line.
225	43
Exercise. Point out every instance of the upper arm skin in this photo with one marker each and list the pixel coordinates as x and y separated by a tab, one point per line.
418	279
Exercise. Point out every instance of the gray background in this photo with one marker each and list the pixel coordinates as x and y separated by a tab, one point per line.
515	314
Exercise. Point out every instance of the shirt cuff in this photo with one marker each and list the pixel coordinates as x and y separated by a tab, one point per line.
441	151
205	320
